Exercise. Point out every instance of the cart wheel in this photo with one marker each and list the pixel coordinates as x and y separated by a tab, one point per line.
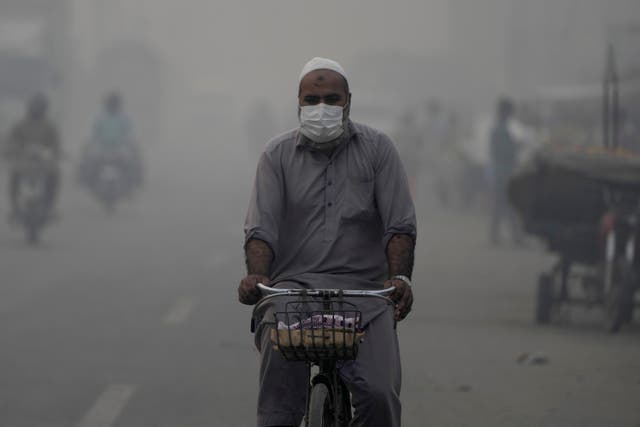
618	299
544	298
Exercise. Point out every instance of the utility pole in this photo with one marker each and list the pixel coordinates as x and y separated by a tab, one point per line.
610	101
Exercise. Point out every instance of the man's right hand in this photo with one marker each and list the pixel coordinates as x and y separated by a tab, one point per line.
248	292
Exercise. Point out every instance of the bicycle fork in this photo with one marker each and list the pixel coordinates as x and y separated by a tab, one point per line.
340	398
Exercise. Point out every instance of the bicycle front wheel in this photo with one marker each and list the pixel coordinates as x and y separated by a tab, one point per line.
321	412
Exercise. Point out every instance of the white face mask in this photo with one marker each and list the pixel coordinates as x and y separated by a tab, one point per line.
321	123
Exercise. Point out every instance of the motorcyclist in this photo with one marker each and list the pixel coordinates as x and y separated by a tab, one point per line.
112	135
34	132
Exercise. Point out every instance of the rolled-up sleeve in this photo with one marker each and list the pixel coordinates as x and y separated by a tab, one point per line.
265	207
392	193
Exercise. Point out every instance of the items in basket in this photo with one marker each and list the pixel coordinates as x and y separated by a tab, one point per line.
322	321
315	338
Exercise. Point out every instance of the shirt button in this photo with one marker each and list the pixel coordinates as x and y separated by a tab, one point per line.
329	183
329	204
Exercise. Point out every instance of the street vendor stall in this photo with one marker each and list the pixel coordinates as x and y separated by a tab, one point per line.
583	200
578	200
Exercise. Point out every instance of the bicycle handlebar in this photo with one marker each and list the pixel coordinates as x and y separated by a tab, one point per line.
268	291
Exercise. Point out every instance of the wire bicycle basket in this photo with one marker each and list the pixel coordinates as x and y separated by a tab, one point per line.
305	334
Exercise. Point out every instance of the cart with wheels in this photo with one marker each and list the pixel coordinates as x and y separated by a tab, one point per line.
585	206
588	273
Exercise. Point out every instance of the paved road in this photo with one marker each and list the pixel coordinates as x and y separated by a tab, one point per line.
132	320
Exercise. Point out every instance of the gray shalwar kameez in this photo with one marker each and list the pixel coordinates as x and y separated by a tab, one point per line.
328	221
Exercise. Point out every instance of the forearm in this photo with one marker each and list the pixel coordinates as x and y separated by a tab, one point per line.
400	254
258	257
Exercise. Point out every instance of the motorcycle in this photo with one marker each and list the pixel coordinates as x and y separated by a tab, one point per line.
108	176
32	207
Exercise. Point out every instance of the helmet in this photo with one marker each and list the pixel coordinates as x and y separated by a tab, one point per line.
113	100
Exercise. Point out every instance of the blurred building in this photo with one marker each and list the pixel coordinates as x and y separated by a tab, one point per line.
517	46
35	49
555	42
113	52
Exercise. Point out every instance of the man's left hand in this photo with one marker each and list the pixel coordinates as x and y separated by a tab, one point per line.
402	296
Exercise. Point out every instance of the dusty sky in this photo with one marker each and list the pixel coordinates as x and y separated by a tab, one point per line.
223	44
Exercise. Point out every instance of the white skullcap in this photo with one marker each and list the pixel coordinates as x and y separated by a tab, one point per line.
318	63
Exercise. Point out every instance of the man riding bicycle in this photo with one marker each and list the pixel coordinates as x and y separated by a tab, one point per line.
331	208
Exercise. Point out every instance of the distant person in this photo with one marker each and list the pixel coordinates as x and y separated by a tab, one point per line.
435	129
112	132
34	132
112	127
260	122
474	156
410	143
441	156
503	155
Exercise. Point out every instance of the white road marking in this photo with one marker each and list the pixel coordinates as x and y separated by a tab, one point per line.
180	311
108	407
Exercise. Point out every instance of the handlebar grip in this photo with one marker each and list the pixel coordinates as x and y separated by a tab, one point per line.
266	290
385	292
381	292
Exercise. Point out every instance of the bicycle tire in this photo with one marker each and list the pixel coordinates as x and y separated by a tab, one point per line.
320	413
618	302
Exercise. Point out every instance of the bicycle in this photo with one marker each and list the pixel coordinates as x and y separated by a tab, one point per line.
321	337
